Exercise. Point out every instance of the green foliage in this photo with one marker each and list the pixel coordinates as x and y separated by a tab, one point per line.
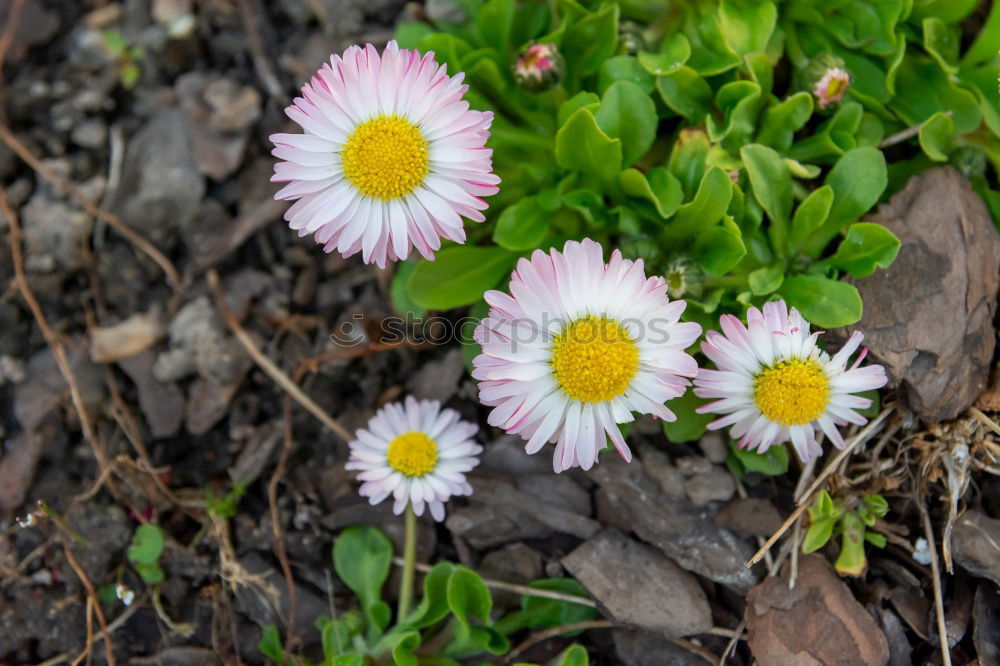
225	506
829	518
678	144
144	552
126	57
454	614
745	464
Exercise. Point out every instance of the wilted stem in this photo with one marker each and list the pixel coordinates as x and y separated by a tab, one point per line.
409	564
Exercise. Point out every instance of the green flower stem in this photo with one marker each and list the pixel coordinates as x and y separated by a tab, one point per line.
409	564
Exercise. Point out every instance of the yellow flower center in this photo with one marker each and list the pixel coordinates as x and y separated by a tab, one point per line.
412	454
836	88
594	360
792	392
385	157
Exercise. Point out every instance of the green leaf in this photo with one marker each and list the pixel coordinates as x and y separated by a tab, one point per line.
783	120
629	114
622	68
434	605
459	276
707	208
337	635
689	425
772	187
923	89
270	645
493	21
773	462
747	25
150	572
823	302
949	11
710	53
936	136
676	51
405	644
818	534
718	249
448	49
766	279
409	34
688	158
575	655
591	40
399	290
739	102
522	226
852	561
659	187
544	613
362	557
129	75
686	93
866	246
987	42
858	180
875	539
582	145
468	597
809	216
581	100
147	544
941	42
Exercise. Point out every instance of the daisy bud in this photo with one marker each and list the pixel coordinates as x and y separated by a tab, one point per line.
539	67
576	347
416	452
827	79
391	157
631	38
684	279
773	384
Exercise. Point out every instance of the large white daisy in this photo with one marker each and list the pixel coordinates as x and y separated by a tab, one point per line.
416	452
774	384
391	158
577	346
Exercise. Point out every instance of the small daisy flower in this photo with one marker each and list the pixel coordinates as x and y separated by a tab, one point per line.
774	385
416	452
577	346
391	158
832	86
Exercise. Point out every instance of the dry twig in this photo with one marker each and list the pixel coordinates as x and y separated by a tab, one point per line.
935	581
546	634
91	599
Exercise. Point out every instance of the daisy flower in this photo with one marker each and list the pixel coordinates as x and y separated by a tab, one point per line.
832	86
774	384
416	452
577	346
391	158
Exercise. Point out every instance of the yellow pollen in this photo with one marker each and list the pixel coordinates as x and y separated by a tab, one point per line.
792	392
385	157
594	360
835	88
412	454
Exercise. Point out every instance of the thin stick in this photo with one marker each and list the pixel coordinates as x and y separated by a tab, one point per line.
130	234
695	649
540	636
92	599
88	644
731	646
935	582
265	364
277	532
514	587
858	439
902	136
13	17
58	352
987	421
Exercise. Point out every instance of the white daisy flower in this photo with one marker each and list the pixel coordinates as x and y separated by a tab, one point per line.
391	158
774	384
576	347
416	452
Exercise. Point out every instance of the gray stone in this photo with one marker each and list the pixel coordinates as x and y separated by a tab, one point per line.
505	455
657	465
161	187
637	585
550	490
715	485
683	531
219	113
749	516
503	495
162	403
975	545
438	379
714	447
636	647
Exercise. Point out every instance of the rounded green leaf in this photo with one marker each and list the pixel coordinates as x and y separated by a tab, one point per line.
581	144
823	302
866	246
718	249
809	216
362	557
766	279
623	68
459	276
818	534
706	209
522	226
676	51
858	179
575	655
659	187
689	425
771	182
468	596
147	544
629	114
936	136
686	93
747	25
